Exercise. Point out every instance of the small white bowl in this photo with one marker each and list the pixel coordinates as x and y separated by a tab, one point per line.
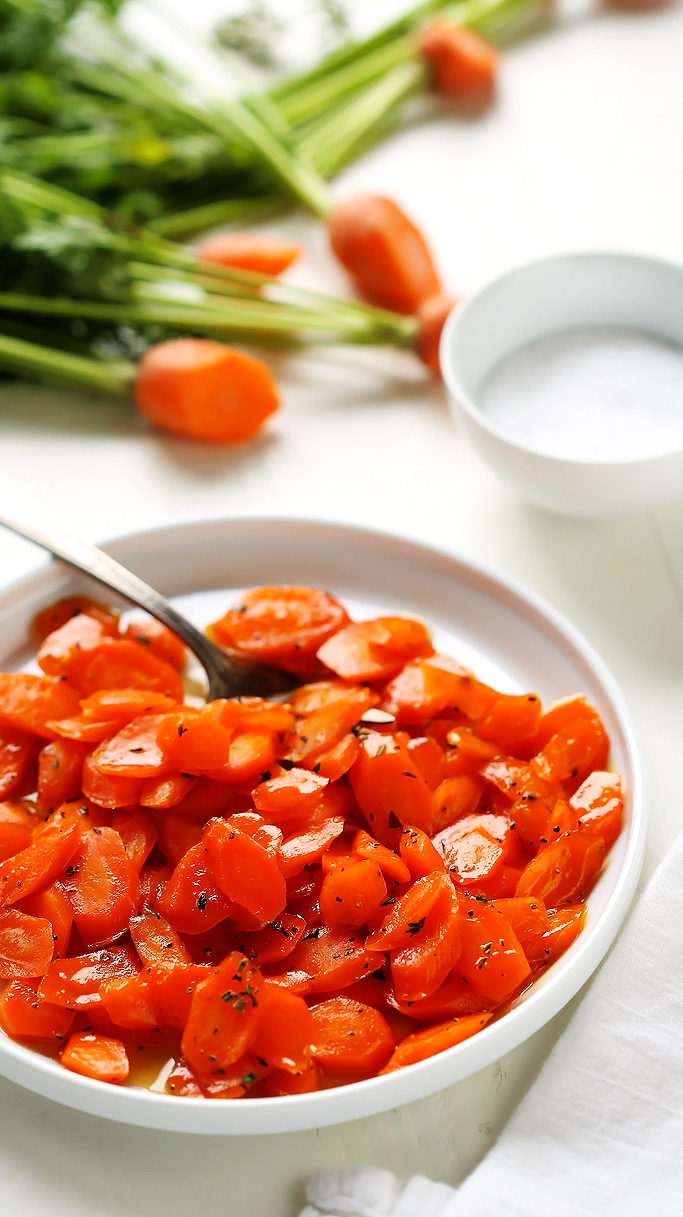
549	297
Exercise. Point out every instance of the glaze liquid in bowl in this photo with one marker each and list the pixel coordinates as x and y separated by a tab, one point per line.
508	638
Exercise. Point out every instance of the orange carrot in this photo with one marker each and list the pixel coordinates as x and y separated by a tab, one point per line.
383	251
253	251
200	389
431	317
463	64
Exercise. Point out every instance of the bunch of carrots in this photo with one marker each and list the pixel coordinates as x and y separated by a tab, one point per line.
72	261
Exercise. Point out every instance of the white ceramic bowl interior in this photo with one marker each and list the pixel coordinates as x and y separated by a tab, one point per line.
508	637
536	301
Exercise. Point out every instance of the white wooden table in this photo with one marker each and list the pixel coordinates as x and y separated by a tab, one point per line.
583	151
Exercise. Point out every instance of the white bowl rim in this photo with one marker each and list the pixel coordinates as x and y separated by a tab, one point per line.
548	996
477	416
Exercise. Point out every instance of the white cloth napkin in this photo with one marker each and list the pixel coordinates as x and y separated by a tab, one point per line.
600	1133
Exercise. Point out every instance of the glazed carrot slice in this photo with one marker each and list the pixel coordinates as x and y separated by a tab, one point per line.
52	904
83	729
224	1015
350	1037
168	991
275	941
563	928
470	856
136	830
334	762
455	798
422	1044
290	794
526	915
16	828
176	834
191	900
193	740
60	765
153	880
565	870
285	1031
109	790
512	721
96	1056
323	728
600	806
319	693
133	752
259	252
374	650
23	1014
39	864
429	687
429	758
166	791
157	637
280	1083
384	252
492	959
76	982
572	741
352	894
156	942
281	625
333	959
80	633
303	849
26	945
389	788
406	916
467	752
118	663
421	965
453	999
124	1000
393	867
30	702
203	390
102	886
17	753
420	855
253	752
244	870
122	705
57	614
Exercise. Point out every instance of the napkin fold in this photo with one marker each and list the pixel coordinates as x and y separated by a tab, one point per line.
600	1132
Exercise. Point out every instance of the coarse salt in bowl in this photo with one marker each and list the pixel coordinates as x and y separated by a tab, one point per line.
567	376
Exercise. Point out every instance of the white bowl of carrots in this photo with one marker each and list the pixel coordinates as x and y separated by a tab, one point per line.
287	915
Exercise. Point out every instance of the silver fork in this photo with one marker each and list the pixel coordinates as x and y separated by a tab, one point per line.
227	676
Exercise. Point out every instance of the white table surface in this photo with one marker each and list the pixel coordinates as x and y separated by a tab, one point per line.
583	151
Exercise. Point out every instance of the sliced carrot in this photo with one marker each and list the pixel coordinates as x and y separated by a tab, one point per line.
422	1044
124	1000
526	915
275	941
374	650
194	740
224	1015
421	965
331	958
133	752
429	758
83	729
16	829
334	762
102	886
453	999
285	1031
352	894
563	928
281	625
203	390
80	633
350	1037
39	864
303	849
109	790
492	960
257	252
18	751
23	1014
176	834
191	900
600	806
389	788
385	254
156	942
393	867
122	705
290	794
76	982
418	852
52	904
30	702
472	854
96	1056
117	663
138	833
455	798
57	614
161	641
60	765
244	870
26	945
512	720
435	685
566	870
323	728
406	916
166	791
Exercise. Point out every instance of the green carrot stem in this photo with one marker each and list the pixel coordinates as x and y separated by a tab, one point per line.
184	224
44	363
